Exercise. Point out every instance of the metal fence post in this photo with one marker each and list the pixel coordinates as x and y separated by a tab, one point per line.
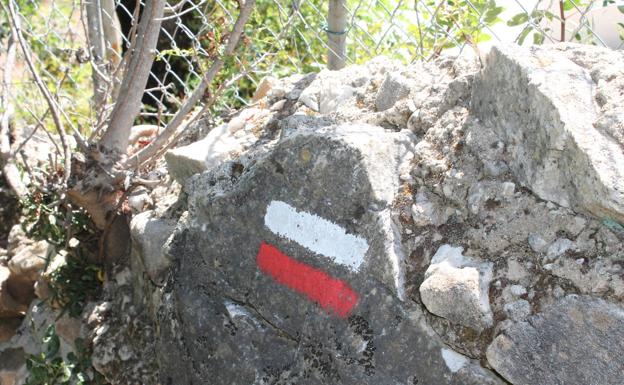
337	34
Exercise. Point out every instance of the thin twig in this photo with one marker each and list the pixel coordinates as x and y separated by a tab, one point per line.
27	139
182	13
43	88
562	21
54	108
181	116
213	98
125	59
97	51
9	169
5	103
420	34
40	122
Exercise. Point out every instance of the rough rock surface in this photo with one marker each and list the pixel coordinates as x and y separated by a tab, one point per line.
555	147
8	327
150	235
577	340
297	340
9	306
12	366
30	260
360	188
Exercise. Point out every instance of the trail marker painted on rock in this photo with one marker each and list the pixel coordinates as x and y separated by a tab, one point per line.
317	234
332	294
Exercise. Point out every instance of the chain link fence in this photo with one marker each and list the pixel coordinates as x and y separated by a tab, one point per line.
282	37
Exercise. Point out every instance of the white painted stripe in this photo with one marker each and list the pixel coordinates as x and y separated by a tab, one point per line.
316	234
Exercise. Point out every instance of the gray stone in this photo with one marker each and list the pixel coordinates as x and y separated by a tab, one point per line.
537	243
9	306
16	239
332	90
428	211
558	248
149	235
394	88
8	327
265	85
456	288
30	260
225	318
553	146
12	366
219	145
139	200
517	290
517	310
576	341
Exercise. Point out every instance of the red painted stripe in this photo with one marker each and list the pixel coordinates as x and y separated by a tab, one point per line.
335	296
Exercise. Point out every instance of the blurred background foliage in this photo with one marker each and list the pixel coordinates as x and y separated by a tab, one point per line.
282	38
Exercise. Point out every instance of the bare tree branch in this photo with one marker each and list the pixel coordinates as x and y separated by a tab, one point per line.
9	170
112	33
128	104
97	52
54	107
182	115
125	59
5	103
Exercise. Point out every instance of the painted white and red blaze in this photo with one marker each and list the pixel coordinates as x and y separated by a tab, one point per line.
322	237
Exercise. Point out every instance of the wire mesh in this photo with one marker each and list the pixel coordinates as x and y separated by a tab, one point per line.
282	37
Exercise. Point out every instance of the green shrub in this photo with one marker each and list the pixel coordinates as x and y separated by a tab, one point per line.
49	368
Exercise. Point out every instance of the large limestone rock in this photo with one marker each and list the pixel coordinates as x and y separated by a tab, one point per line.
577	341
542	106
295	273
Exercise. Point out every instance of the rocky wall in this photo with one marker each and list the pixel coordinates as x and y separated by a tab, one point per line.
449	222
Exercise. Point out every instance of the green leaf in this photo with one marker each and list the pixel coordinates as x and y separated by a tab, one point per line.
568	5
525	32
38	374
518	19
71	357
482	37
66	373
621	8
538	38
82	379
53	346
491	16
